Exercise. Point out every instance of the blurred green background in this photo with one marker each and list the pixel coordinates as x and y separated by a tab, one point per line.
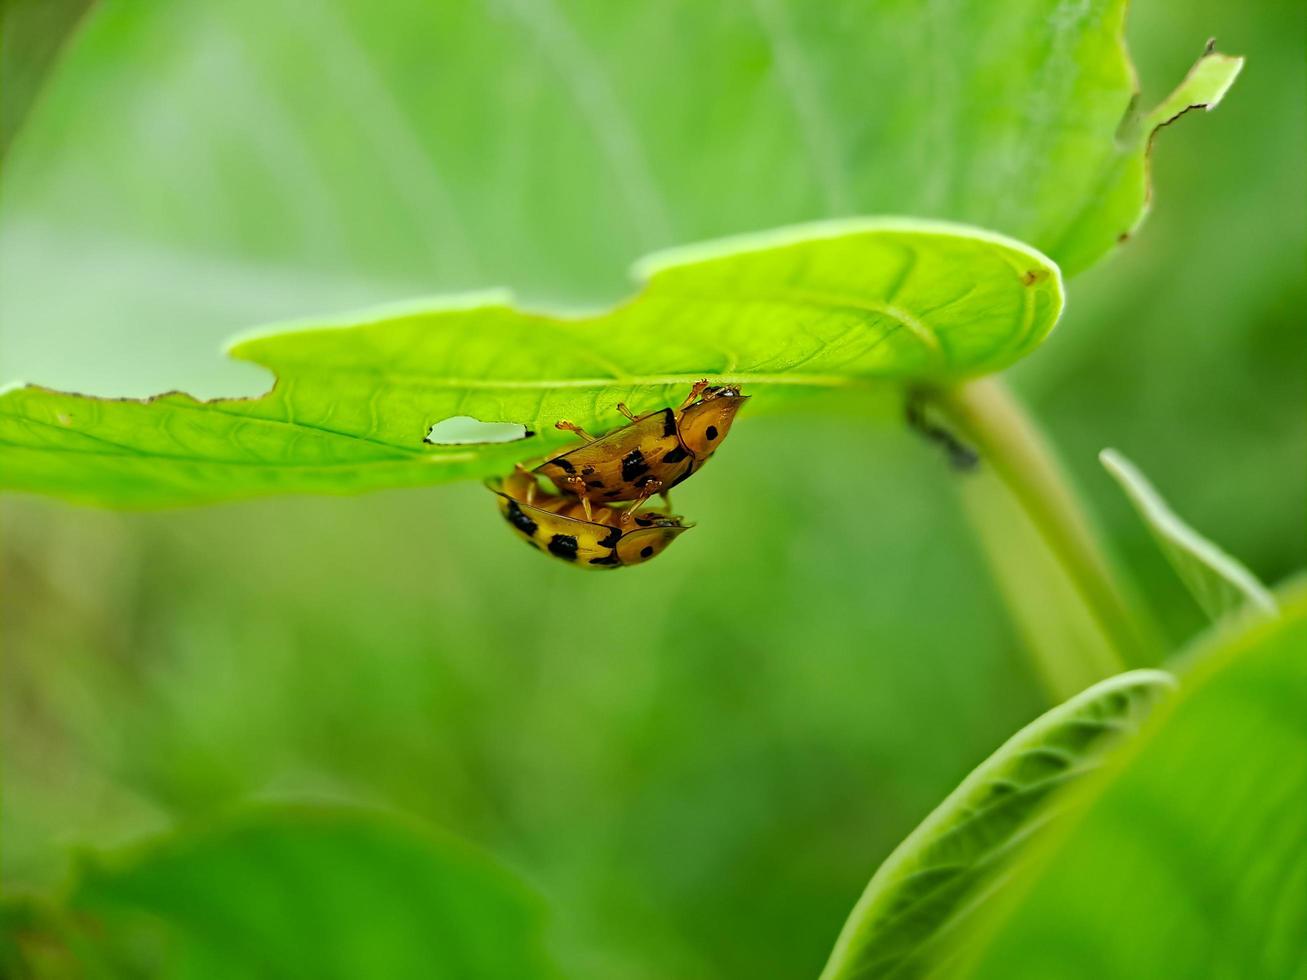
698	763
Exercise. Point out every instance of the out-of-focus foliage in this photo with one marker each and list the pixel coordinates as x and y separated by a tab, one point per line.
303	156
1220	583
817	307
1186	855
32	33
679	755
303	891
907	922
700	763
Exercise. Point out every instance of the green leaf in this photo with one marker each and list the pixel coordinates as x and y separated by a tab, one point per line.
307	892
1116	208
934	881
186	170
32	32
1220	584
810	308
1187	855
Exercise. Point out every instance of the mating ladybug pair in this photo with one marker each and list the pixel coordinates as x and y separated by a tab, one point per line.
595	520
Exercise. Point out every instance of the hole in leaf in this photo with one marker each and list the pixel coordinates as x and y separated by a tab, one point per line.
463	430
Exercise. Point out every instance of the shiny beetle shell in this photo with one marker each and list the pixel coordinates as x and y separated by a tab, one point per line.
653	453
556	525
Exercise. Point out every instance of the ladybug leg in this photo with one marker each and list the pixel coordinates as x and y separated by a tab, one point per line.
621	407
695	391
667	499
529	480
650	488
585	506
573	428
575	484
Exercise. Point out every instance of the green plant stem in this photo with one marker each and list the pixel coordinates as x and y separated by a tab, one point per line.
987	415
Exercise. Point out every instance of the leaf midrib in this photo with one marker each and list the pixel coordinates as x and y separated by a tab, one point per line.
301	369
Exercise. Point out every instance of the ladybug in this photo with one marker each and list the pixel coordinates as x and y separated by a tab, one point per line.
651	454
572	530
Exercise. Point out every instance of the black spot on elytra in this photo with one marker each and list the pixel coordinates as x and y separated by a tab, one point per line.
646	551
675	455
563	465
612	493
669	422
519	520
644	481
595	484
587	470
633	465
644	521
564	546
605	560
711	432
612	539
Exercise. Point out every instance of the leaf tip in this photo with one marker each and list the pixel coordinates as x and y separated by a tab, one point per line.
1218	581
1203	87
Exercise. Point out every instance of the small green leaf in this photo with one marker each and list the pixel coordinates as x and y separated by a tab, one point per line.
308	892
837	304
1186	856
902	925
1220	583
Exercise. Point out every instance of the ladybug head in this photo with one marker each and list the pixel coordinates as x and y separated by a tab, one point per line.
704	425
644	543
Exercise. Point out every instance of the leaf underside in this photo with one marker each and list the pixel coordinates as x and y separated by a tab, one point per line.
928	888
824	306
1220	584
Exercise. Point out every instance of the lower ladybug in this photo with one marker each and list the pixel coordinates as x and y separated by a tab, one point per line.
606	537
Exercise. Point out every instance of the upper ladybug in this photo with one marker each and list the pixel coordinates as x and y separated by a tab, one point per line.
651	454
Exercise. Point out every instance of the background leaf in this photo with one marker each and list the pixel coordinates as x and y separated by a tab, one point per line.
363	152
1185	856
906	919
307	891
815	307
1219	583
1120	203
32	33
